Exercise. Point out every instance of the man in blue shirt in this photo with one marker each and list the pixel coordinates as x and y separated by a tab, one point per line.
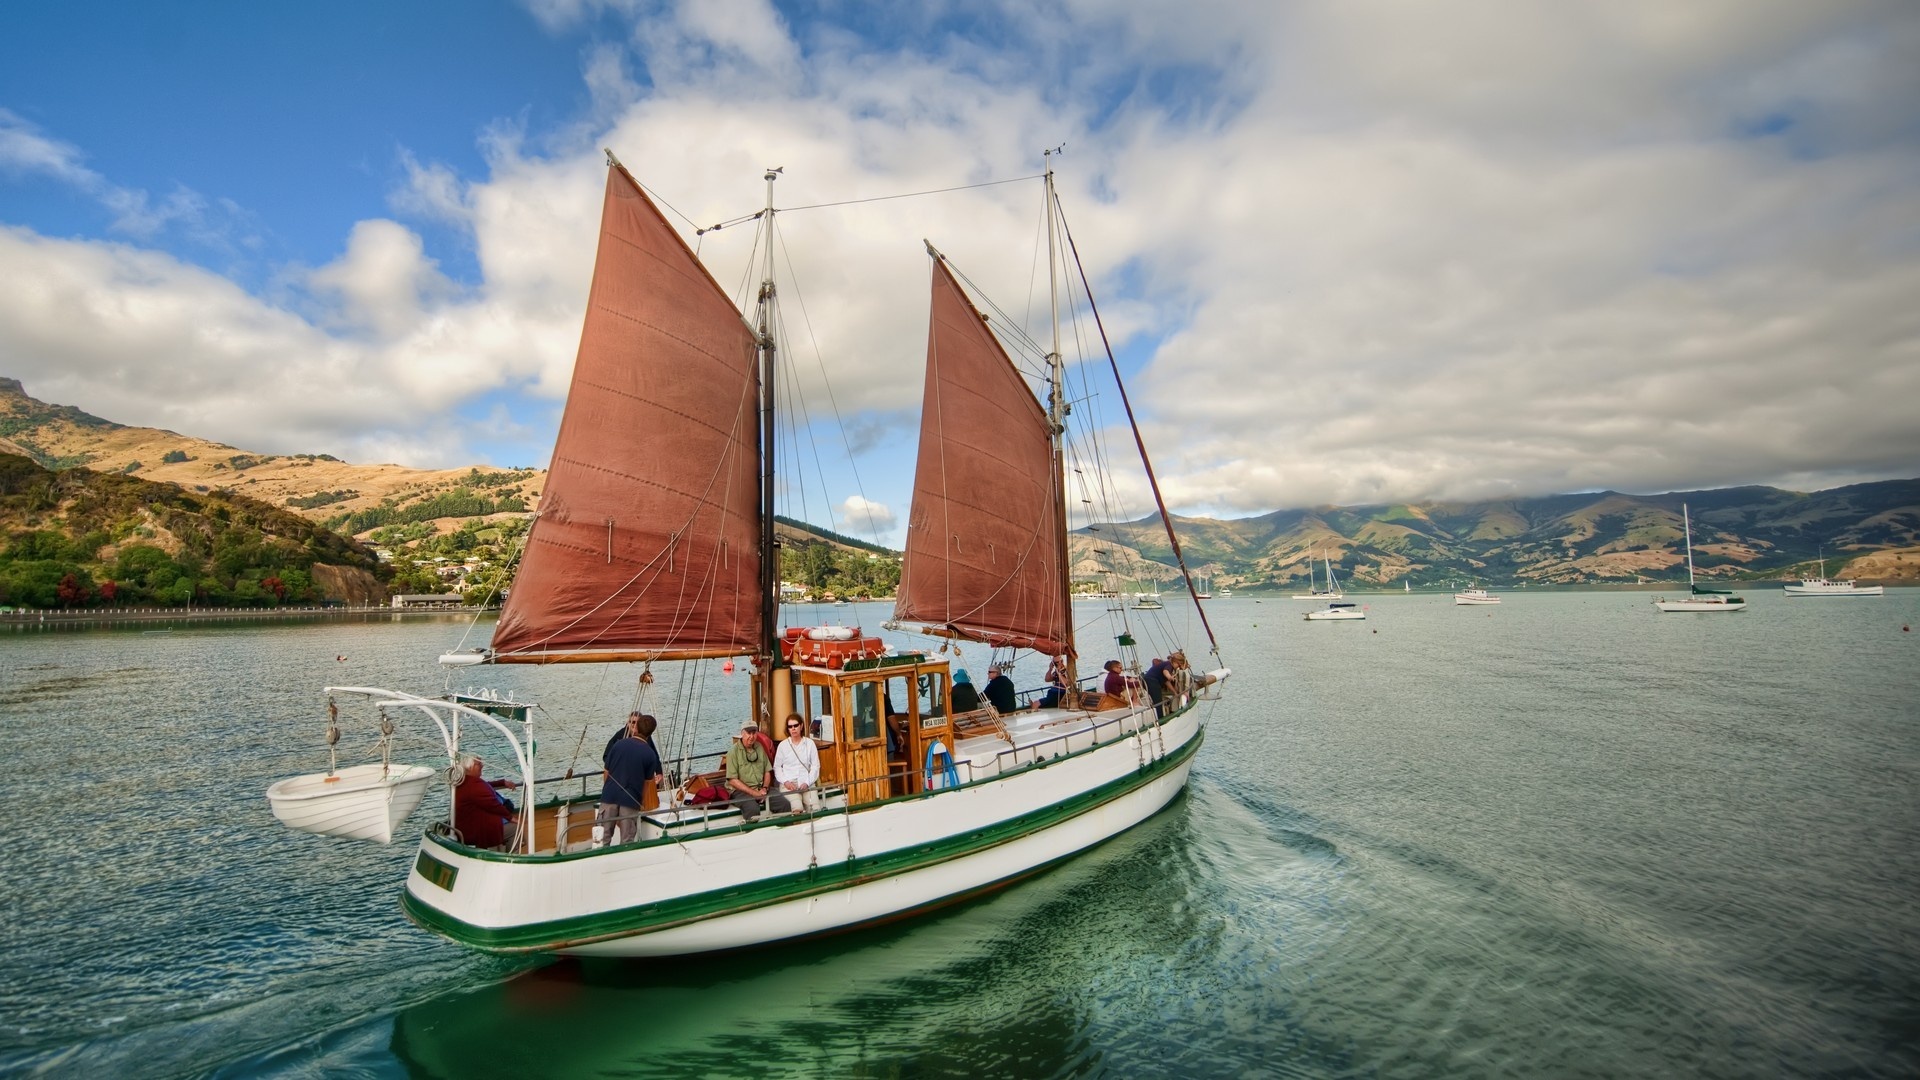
1156	682
632	769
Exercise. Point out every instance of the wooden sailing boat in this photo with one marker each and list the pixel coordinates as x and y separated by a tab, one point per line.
654	543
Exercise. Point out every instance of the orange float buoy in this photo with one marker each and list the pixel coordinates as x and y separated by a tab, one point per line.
727	667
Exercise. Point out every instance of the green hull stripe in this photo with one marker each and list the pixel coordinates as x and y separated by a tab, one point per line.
649	918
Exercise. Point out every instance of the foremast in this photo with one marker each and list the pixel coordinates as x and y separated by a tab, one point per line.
775	696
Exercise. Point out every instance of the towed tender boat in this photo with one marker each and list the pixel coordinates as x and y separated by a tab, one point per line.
654	545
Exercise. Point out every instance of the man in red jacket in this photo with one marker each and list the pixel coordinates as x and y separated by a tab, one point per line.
481	815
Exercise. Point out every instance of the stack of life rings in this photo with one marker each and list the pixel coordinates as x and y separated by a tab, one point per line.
828	646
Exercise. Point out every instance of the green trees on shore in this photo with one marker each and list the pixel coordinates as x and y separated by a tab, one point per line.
80	539
847	575
83	539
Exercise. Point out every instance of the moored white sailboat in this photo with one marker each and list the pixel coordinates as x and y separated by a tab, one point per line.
1333	591
1699	598
654	545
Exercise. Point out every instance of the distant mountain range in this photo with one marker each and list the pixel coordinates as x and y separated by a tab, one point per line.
350	499
1867	531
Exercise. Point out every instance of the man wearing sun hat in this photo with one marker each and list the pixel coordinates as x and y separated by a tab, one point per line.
747	774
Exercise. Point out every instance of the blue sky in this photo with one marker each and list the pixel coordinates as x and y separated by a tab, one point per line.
1356	252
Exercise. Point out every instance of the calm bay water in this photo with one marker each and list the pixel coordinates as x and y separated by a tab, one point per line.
1561	837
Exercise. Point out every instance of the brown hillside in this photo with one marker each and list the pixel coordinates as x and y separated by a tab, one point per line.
59	436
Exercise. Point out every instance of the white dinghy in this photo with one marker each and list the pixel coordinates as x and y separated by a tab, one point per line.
360	802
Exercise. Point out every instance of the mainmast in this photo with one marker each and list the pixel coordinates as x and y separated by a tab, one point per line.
1057	410
770	560
1687	522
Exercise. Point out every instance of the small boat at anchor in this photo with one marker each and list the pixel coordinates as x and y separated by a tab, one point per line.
1338	611
1699	598
1333	591
1821	586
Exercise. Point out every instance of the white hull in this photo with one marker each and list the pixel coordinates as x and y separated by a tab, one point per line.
1336	615
356	803
1321	597
1696	599
1700	604
715	886
1823	587
1471	597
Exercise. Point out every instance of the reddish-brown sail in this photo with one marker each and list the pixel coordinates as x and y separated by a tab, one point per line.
983	543
648	538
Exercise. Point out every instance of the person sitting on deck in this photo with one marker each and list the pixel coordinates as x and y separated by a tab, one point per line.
632	769
749	769
1180	679
999	690
1116	691
796	766
1056	684
481	815
965	698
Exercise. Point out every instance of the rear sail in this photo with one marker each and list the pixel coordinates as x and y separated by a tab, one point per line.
983	554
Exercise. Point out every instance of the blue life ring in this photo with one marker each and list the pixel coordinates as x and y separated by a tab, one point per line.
938	759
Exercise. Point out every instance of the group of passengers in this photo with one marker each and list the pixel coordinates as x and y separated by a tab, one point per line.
999	691
763	778
1165	681
760	775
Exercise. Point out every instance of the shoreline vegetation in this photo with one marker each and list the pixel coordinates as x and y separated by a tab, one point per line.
75	616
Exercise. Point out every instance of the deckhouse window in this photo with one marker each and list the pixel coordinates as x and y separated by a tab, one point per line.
933	698
865	699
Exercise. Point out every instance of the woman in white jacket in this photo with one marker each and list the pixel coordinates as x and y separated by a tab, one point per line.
796	765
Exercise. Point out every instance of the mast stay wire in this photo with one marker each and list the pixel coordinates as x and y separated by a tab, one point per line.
915	194
1172	540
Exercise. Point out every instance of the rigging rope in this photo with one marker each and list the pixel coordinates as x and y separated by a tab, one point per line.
912	194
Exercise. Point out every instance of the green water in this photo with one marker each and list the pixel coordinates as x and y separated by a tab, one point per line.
1566	836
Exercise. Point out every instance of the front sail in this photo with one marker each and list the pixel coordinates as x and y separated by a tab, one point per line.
647	542
983	539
